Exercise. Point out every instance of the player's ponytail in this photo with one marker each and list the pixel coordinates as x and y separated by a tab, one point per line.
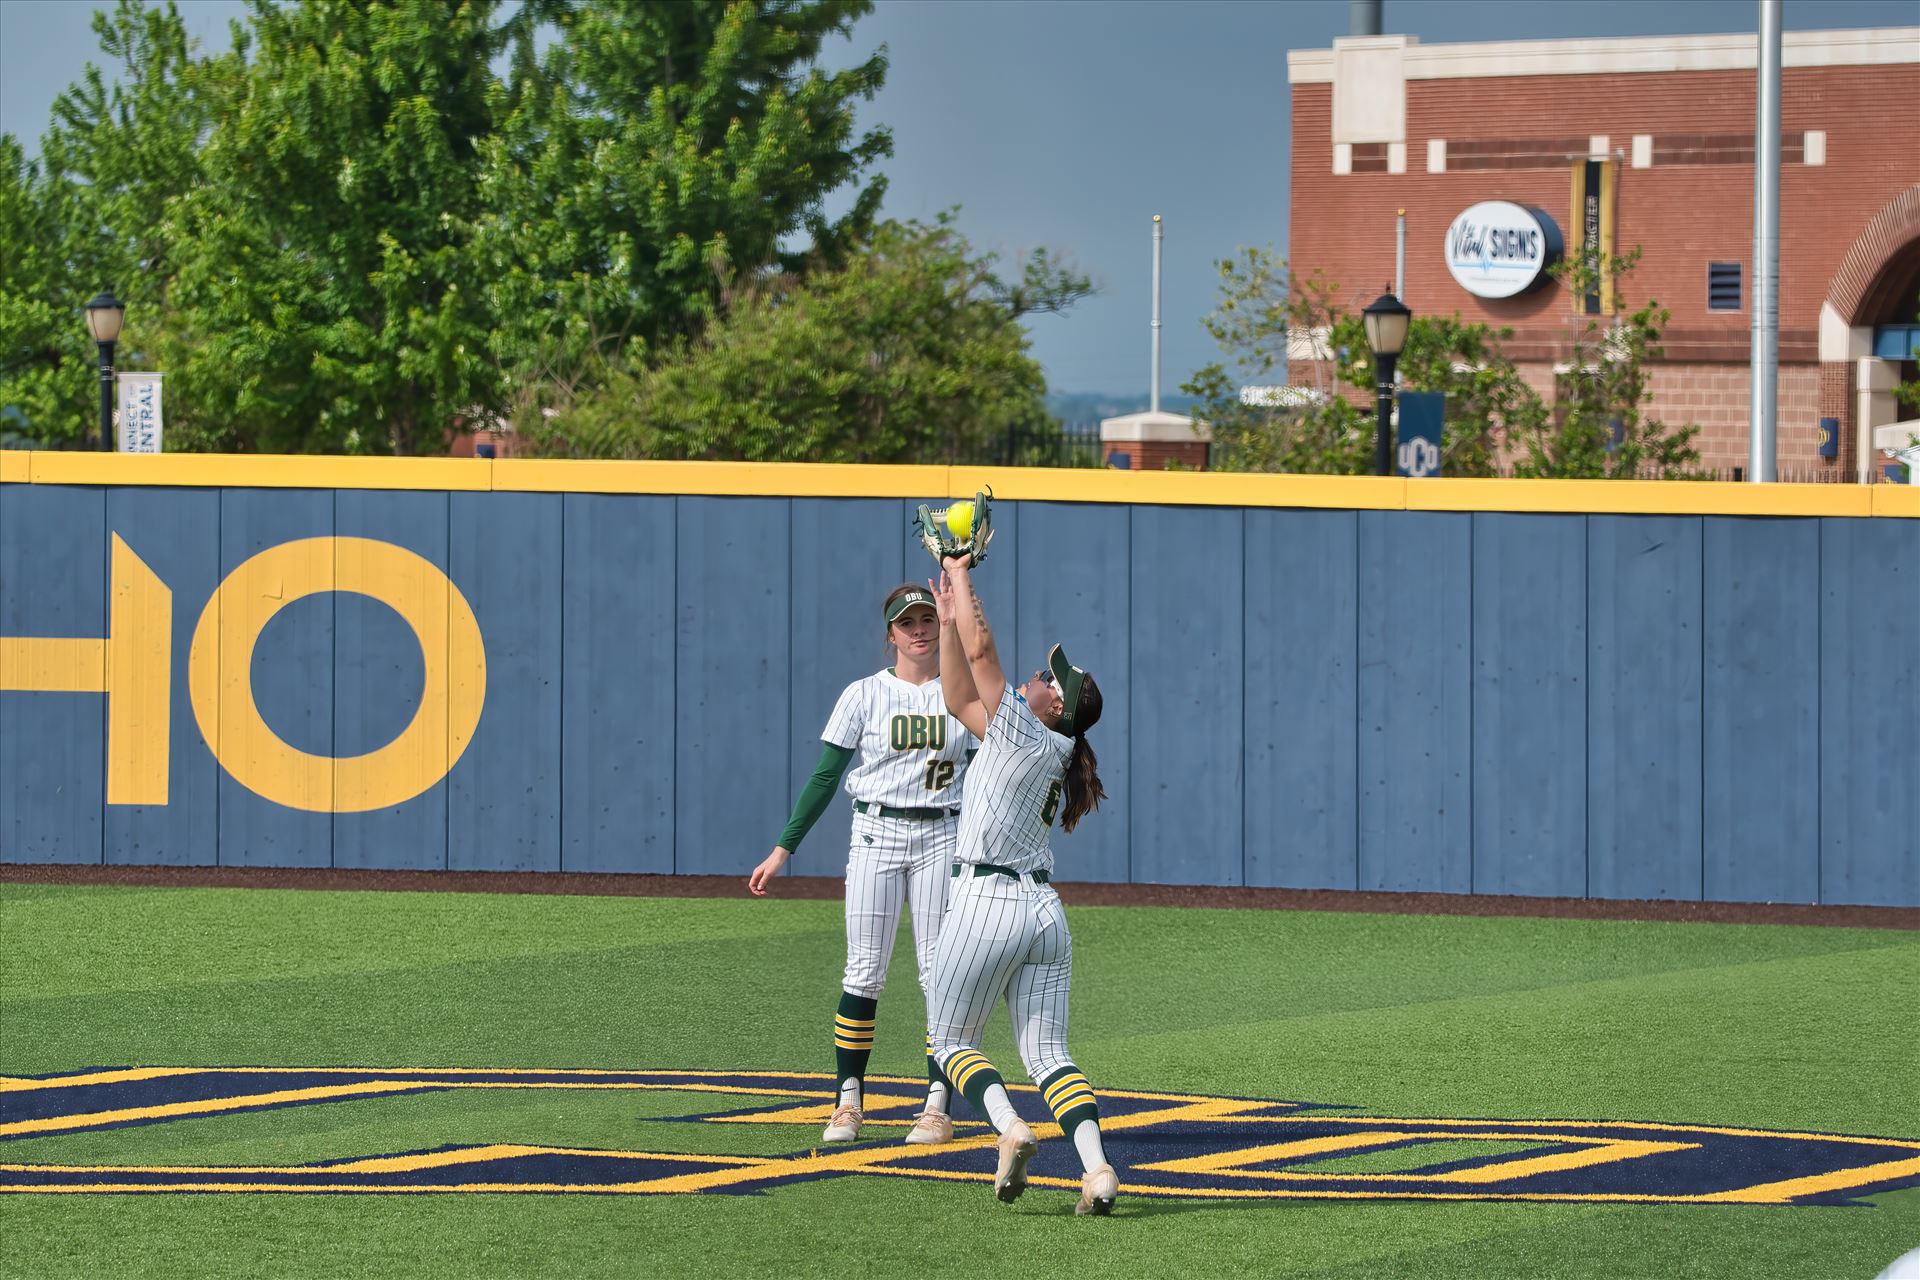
1082	780
1083	790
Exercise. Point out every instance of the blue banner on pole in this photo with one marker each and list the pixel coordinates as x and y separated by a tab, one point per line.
1421	416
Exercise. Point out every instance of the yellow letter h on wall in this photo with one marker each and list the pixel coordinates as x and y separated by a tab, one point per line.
132	666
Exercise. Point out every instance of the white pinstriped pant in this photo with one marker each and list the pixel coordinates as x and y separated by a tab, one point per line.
890	861
1002	937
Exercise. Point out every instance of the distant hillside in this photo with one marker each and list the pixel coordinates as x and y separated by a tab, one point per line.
1087	408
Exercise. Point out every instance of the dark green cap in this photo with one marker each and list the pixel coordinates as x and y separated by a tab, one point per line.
906	600
1069	680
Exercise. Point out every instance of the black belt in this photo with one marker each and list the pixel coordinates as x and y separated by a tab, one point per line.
995	869
919	815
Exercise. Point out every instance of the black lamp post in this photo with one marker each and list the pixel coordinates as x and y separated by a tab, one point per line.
105	315
1386	320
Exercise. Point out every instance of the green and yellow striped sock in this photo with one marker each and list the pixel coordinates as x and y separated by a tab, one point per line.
1070	1098
853	1043
972	1075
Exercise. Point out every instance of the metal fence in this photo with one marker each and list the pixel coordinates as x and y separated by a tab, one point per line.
1072	445
1783	475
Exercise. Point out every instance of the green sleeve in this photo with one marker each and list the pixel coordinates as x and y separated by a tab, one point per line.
815	795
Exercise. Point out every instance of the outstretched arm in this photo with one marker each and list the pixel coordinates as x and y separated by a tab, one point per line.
806	811
976	640
956	677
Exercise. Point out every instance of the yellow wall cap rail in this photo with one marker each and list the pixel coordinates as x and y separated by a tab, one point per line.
1642	497
932	483
741	479
1896	500
260	471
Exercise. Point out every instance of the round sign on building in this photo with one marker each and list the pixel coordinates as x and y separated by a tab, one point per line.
1498	249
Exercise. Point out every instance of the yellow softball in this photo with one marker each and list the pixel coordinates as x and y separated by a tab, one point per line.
960	520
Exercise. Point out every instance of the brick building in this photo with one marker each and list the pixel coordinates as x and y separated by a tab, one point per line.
1659	132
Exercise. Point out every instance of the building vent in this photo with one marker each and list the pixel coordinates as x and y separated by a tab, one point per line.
1723	286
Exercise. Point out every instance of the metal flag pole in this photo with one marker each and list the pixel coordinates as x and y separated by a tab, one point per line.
1400	257
1157	234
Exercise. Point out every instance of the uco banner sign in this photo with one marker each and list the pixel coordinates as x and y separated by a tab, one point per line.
1421	430
1497	249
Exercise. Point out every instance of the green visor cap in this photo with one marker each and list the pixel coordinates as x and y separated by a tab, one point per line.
1069	679
906	600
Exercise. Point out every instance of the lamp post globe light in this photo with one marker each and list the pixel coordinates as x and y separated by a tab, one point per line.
105	315
1386	320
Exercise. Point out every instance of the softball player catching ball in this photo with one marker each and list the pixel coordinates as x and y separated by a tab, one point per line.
1005	932
906	801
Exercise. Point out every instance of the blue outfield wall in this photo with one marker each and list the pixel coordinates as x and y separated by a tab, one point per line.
1624	704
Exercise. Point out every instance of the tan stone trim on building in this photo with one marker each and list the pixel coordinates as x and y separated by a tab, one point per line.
1867	46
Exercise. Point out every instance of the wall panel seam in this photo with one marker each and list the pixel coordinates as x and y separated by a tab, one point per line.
1473	701
1700	630
105	628
673	720
786	743
333	665
445	784
560	680
1820	714
219	542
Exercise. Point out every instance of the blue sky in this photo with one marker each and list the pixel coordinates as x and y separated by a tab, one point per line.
1070	123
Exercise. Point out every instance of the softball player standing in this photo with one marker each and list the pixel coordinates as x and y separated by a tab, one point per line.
1005	932
906	802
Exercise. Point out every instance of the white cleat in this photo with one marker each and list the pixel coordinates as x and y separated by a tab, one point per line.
1017	1146
931	1128
844	1126
1097	1191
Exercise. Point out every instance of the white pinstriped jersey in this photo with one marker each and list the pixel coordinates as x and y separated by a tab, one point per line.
911	753
1013	790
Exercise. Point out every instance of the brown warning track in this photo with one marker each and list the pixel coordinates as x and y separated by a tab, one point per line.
1082	895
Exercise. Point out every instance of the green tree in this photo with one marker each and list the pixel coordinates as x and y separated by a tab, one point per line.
1595	428
93	212
44	359
1598	427
351	234
327	297
655	157
1488	402
912	350
1265	309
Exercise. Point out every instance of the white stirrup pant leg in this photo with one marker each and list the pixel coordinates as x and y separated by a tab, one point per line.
927	883
876	890
1037	999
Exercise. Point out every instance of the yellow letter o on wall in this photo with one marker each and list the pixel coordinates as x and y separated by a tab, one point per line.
220	675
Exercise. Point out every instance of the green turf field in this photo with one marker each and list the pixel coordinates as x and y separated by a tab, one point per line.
1434	1018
